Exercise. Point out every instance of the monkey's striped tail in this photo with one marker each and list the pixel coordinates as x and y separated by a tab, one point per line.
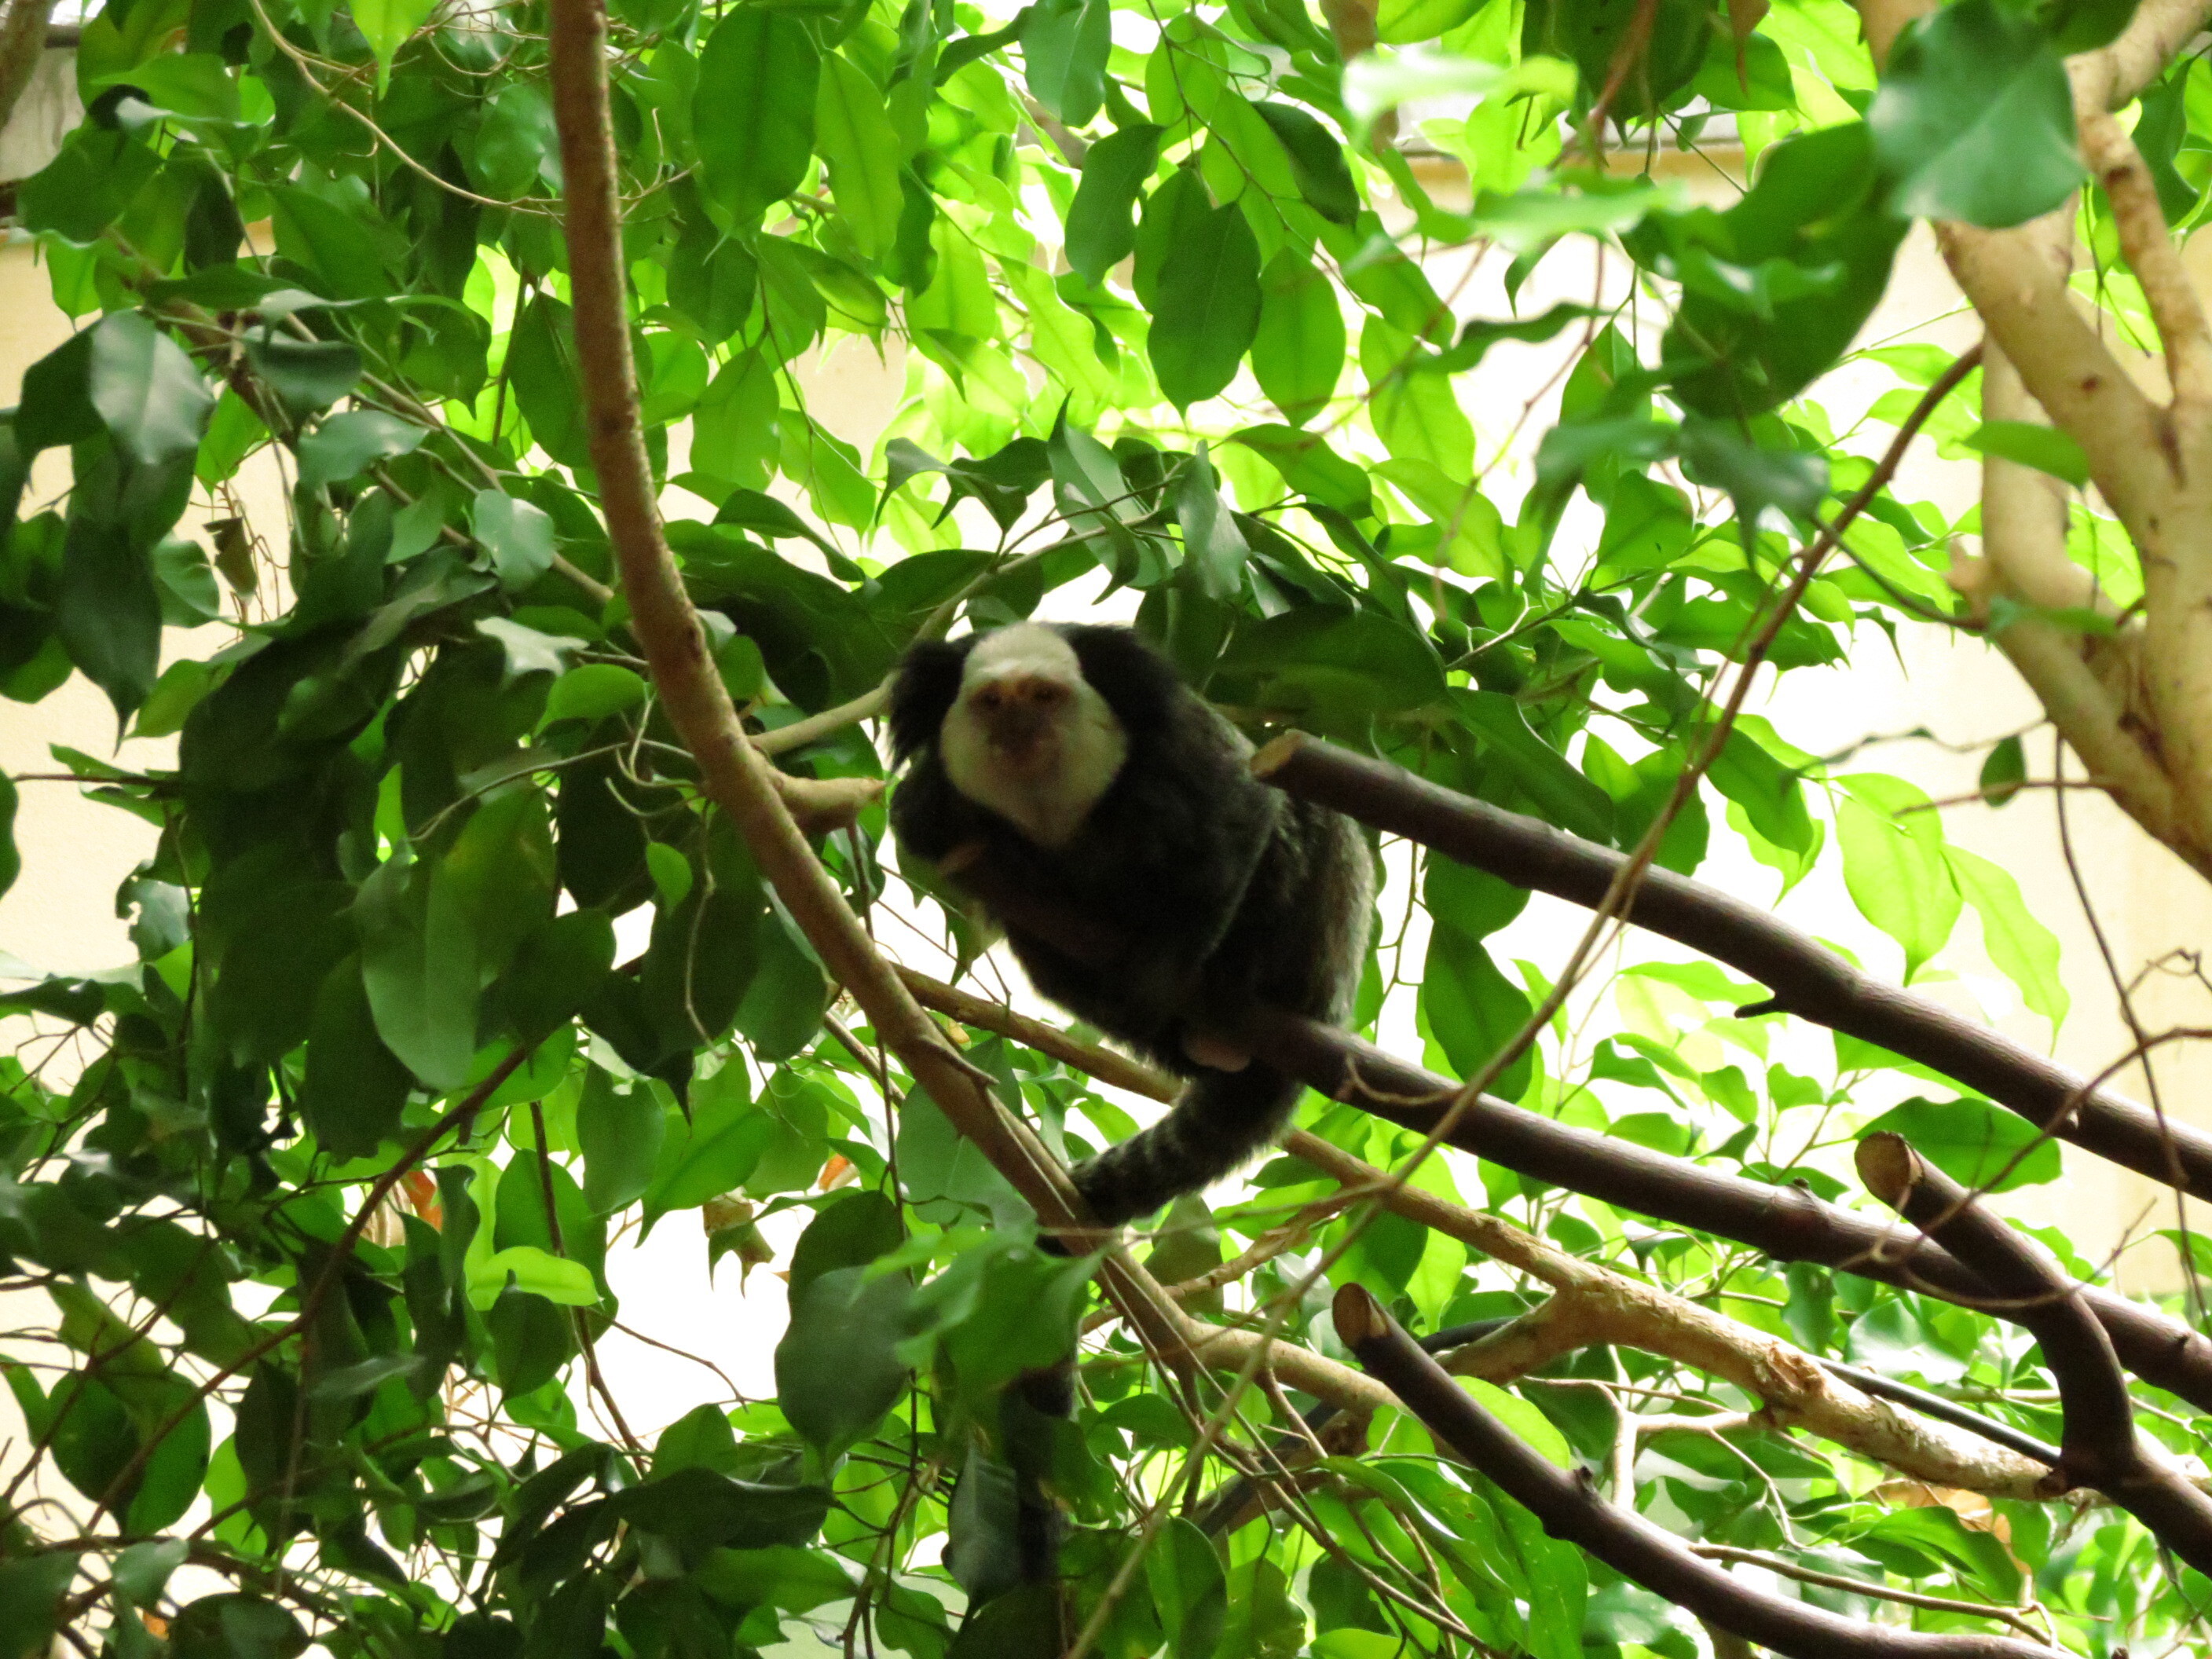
1220	1123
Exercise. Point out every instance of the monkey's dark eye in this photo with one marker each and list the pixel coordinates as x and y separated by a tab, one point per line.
1046	694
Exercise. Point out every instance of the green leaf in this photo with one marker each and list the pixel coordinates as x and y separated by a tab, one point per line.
855	137
2022	948
1895	866
31	1591
1187	1584
387	25
718	1150
355	1086
1771	796
537	1271
517	534
753	114
146	389
1316	663
1775	288
1310	467
1473	1011
236	1626
697	1507
850	1233
1297	345
1561	794
1064	47
594	690
784	1000
2045	448
422	992
836	1372
531	1337
11	859
57	405
1317	160
1212	546
557	971
1101	229
541	368
1974	120
2003	772
1979	1145
1207	307
344	445
88	185
107	611
620	1132
337	249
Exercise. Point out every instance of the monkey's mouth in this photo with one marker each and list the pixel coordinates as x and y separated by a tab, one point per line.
1021	718
1026	753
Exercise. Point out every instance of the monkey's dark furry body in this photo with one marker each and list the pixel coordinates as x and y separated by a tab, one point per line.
1212	891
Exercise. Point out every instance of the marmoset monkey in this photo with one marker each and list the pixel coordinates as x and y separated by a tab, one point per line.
1074	765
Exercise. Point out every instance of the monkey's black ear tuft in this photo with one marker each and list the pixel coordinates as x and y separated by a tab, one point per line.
1139	684
923	692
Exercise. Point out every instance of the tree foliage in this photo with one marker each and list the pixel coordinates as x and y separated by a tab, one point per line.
321	1188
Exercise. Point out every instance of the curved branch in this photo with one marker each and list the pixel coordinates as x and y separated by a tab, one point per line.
2098	1446
1808	980
1788	1224
1570	1508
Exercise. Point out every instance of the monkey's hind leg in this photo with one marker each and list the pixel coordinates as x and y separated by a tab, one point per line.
1220	1123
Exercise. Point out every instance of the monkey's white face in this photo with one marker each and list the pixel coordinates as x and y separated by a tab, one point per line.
1029	737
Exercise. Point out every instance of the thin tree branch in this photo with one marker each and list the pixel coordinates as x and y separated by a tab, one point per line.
1785	1568
1596	1306
1570	1508
2149	250
1788	1224
2098	1447
1808	979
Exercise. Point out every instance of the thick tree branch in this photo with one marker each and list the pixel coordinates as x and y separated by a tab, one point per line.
1570	1508
2153	466
2109	78
1615	1308
1788	1224
2099	1447
1808	980
2024	300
